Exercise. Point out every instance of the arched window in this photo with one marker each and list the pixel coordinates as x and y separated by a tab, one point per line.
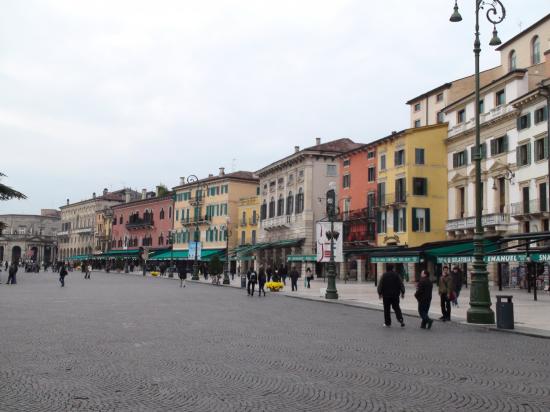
170	212
280	205
535	50
263	211
512	60
161	214
119	242
289	203
272	207
300	201
120	220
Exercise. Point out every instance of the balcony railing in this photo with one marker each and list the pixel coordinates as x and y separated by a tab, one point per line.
242	222
280	222
533	206
252	221
485	117
83	230
197	220
358	214
139	223
493	219
392	199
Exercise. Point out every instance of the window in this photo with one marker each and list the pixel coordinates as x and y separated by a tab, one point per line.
280	205
483	151
161	214
170	212
300	201
370	174
120	220
439	97
420	186
400	190
419	156
347	203
461	116
460	159
289	203
381	221
114	222
383	162
440	117
346	181
263	211
524	121
500	98
381	194
417	107
331	169
512	60
421	220
258	191
280	182
481	106
541	114
499	145
541	149
535	50
399	157
400	220
253	240
417	123
523	154
254	217
346	162
371	154
543	198
461	202
243	237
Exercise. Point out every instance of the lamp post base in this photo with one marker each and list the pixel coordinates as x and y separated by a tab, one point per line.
480	300
226	279
331	292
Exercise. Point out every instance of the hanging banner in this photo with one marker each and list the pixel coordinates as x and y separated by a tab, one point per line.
323	241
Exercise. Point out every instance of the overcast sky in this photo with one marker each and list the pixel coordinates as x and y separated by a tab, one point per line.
98	94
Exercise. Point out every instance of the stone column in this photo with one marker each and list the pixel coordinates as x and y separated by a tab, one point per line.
361	275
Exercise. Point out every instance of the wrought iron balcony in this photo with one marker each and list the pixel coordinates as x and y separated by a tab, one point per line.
139	223
366	213
392	200
197	221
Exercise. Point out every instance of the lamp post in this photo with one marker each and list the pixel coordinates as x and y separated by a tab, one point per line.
171	243
226	271
331	292
197	202
480	300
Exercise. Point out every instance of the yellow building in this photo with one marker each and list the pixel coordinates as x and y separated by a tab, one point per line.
207	211
412	186
102	230
249	215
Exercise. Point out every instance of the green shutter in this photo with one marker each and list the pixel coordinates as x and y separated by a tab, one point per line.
427	212
518	123
405	220
528	119
545	113
493	147
465	156
529	153
455	160
505	143
426	186
378	222
545	147
395	219
414	220
518	159
484	150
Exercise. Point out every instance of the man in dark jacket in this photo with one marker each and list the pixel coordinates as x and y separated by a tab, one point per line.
456	274
12	278
294	275
389	289
261	282
252	280
424	297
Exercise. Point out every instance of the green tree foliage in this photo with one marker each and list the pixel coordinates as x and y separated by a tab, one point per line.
215	266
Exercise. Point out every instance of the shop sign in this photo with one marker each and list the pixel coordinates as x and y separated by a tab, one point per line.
395	259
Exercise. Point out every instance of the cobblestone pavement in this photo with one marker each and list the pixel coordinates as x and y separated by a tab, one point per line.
126	343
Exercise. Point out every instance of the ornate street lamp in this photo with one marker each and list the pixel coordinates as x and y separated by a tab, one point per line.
171	243
197	203
332	235
480	300
227	234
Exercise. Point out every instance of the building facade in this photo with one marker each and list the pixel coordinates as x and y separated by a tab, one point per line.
30	237
78	222
145	223
293	198
249	218
207	213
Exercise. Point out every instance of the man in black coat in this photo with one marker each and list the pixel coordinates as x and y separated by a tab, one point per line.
389	289
294	275
424	297
12	278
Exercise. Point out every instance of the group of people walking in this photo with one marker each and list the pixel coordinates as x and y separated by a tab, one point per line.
262	276
391	288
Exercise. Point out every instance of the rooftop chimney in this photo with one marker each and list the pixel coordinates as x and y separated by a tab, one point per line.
126	196
67	202
296	149
317	141
105	191
222	171
393	132
144	193
93	195
182	180
210	175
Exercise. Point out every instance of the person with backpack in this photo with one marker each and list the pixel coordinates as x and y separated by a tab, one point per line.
253	279
62	274
423	295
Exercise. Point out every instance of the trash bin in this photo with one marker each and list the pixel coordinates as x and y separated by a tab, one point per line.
243	281
505	312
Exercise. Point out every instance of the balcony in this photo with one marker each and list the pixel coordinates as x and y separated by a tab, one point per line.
252	221
469	223
197	221
196	201
242	222
140	223
280	222
392	200
534	207
484	118
358	214
83	231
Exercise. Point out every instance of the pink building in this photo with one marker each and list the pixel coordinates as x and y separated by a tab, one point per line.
143	223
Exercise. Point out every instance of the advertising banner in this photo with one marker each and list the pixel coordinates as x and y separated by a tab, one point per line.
195	248
323	242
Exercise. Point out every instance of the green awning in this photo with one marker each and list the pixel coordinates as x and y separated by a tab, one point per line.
80	257
540	257
121	253
395	259
497	258
171	255
301	258
463	248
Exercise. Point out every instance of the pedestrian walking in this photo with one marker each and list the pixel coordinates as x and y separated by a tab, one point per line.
389	289
62	274
309	277
83	269
6	265
284	273
456	274
88	272
294	275
12	274
423	295
253	280
182	275
269	273
446	293
261	283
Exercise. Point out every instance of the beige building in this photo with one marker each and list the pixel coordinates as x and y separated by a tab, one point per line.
292	199
211	205
79	222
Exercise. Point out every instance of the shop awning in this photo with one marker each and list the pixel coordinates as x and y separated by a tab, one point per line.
121	253
169	255
80	257
301	258
395	259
